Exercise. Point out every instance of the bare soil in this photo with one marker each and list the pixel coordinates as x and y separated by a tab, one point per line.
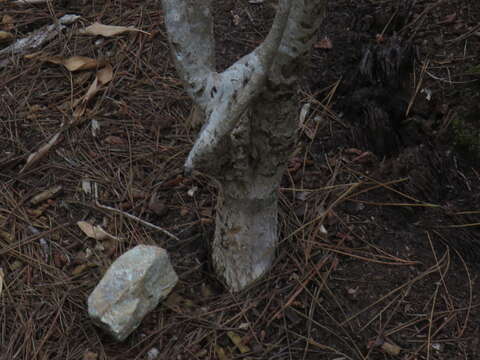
380	246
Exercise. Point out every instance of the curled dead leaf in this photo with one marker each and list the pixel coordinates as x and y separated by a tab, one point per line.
106	30
102	77
41	152
76	63
5	35
95	231
46	194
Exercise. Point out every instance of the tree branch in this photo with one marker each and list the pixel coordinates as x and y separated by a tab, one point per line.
303	22
232	91
189	26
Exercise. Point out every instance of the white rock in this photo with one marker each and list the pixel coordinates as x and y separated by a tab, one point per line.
153	353
132	286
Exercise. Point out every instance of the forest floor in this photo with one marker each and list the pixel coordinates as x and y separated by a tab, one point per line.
394	272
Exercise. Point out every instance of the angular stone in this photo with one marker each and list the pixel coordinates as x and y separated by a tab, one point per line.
132	286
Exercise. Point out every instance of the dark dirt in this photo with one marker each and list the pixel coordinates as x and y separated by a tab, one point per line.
387	161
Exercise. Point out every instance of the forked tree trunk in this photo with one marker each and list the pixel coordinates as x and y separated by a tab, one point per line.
251	111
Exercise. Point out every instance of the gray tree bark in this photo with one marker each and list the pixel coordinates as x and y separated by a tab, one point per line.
251	121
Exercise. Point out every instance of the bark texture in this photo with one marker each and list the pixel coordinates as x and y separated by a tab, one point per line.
251	122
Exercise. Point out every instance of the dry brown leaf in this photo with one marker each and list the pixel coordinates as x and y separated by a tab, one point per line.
46	194
76	63
221	354
114	140
106	30
90	355
237	340
94	231
33	158
6	236
5	35
79	269
325	43
81	78
391	349
33	55
7	23
103	76
79	110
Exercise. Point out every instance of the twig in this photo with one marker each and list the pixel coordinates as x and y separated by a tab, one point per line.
36	39
146	223
28	2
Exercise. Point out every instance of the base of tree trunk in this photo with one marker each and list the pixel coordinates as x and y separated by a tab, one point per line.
245	238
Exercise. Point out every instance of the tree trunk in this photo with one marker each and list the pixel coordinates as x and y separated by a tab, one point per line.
245	235
251	121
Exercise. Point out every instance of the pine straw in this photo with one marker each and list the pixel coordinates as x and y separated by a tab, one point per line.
340	295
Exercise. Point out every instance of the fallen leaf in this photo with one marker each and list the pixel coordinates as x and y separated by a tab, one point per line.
157	205
76	63
40	153
6	236
81	78
81	268
391	349
7	23
237	340
46	194
178	303
94	231
90	355
106	30
114	140
221	353
103	76
325	43
5	35
33	55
